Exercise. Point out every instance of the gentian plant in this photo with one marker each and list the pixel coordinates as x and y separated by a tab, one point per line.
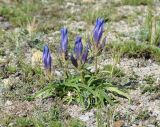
64	42
97	37
64	50
83	86
80	56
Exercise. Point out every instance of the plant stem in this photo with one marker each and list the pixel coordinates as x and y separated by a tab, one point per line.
66	70
96	61
112	69
65	65
48	74
82	77
81	72
96	64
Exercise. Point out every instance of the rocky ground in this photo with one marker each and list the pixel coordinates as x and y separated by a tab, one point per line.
124	23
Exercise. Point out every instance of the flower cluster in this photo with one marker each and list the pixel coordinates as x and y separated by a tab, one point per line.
80	54
97	34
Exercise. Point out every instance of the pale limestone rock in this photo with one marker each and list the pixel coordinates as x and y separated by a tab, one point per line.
88	1
36	57
8	103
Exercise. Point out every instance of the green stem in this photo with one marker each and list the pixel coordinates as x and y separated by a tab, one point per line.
96	61
115	60
96	64
81	72
112	70
66	69
82	77
65	66
48	74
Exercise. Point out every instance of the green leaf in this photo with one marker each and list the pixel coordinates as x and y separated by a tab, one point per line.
116	90
100	97
95	80
88	89
45	92
103	93
76	86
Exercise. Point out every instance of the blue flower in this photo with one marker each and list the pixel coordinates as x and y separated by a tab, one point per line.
47	60
78	48
98	30
81	56
64	40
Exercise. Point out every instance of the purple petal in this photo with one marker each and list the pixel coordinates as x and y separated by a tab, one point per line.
98	30
74	61
78	48
64	39
85	54
47	60
45	51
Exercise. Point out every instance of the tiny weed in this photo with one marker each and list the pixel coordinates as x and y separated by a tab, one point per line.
11	69
150	32
116	72
149	79
75	123
136	50
23	122
150	88
91	14
19	14
143	115
137	2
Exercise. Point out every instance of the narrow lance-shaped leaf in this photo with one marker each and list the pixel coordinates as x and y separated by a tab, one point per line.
116	90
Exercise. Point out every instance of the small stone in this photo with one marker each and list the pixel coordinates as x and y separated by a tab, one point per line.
90	114
8	103
84	118
91	68
158	80
6	83
88	1
133	107
151	125
36	57
118	123
11	125
58	73
6	25
1	18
